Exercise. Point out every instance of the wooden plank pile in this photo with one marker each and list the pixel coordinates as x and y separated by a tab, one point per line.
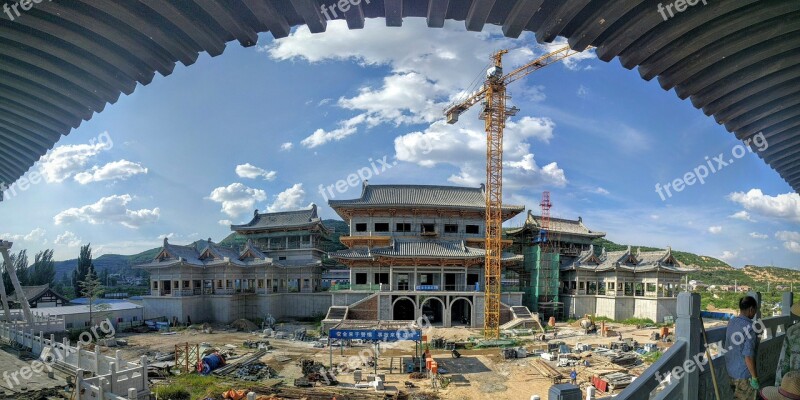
547	371
230	367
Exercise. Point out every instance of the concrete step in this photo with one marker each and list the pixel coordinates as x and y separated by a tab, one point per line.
337	313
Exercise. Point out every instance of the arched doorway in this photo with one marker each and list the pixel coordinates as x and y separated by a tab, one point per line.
403	309
461	312
433	309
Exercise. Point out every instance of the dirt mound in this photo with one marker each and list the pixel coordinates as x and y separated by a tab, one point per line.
244	325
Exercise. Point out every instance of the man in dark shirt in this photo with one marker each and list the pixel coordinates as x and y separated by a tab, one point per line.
740	342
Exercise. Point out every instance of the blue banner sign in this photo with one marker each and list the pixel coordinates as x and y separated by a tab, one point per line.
379	335
428	287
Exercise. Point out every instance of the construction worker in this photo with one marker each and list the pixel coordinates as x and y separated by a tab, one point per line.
741	340
573	377
790	353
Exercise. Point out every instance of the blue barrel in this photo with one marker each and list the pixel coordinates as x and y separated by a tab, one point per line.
212	362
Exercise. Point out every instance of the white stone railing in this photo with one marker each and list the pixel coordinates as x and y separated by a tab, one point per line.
113	378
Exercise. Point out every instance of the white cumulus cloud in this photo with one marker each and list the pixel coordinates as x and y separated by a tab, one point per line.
117	170
742	215
35	236
65	161
287	146
783	206
225	222
756	235
714	229
109	209
252	172
289	199
428	69
237	198
68	239
728	255
791	240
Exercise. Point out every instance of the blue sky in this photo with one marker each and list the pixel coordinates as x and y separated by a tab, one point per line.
266	127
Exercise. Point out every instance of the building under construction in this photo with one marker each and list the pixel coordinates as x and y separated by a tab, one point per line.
545	244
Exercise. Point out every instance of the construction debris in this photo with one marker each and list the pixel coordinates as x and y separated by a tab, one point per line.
244	325
547	371
254	372
248	359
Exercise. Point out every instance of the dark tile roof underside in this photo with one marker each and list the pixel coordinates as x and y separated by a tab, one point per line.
63	61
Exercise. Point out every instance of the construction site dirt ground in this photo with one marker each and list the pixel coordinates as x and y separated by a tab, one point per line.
478	374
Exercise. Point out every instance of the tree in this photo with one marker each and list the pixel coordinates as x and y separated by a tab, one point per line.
85	266
92	289
43	270
20	262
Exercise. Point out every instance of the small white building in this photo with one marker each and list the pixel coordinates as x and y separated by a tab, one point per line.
76	317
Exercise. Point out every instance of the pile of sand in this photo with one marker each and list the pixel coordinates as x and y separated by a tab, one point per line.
244	325
451	334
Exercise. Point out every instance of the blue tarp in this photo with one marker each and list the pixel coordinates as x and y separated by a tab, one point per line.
716	315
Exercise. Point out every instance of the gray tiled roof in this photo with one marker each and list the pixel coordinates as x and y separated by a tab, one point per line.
566	226
612	260
34	292
407	196
193	255
401	248
284	219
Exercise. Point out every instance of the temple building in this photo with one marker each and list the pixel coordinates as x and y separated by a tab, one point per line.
273	259
417	250
538	275
622	284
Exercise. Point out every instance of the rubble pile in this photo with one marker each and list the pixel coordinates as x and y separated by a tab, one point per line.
255	372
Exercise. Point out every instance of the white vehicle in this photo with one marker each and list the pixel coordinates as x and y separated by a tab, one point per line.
549	356
565	360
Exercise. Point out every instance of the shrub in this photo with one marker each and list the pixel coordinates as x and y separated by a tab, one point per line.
173	392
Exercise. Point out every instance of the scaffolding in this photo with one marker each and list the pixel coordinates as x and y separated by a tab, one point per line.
547	259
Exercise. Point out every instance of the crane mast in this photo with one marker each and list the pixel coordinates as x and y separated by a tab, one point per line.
495	111
494	116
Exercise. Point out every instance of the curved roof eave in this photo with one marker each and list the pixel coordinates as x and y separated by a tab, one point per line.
62	62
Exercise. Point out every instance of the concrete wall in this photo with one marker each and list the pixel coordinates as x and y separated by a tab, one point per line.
577	305
305	304
478	319
226	309
385	307
625	308
656	309
511	299
347	298
619	308
606	307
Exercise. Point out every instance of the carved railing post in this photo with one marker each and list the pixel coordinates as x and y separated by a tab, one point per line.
688	329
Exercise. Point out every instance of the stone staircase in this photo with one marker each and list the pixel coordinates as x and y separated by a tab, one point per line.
522	318
364	309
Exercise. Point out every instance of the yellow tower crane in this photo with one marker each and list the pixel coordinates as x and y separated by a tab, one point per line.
495	111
